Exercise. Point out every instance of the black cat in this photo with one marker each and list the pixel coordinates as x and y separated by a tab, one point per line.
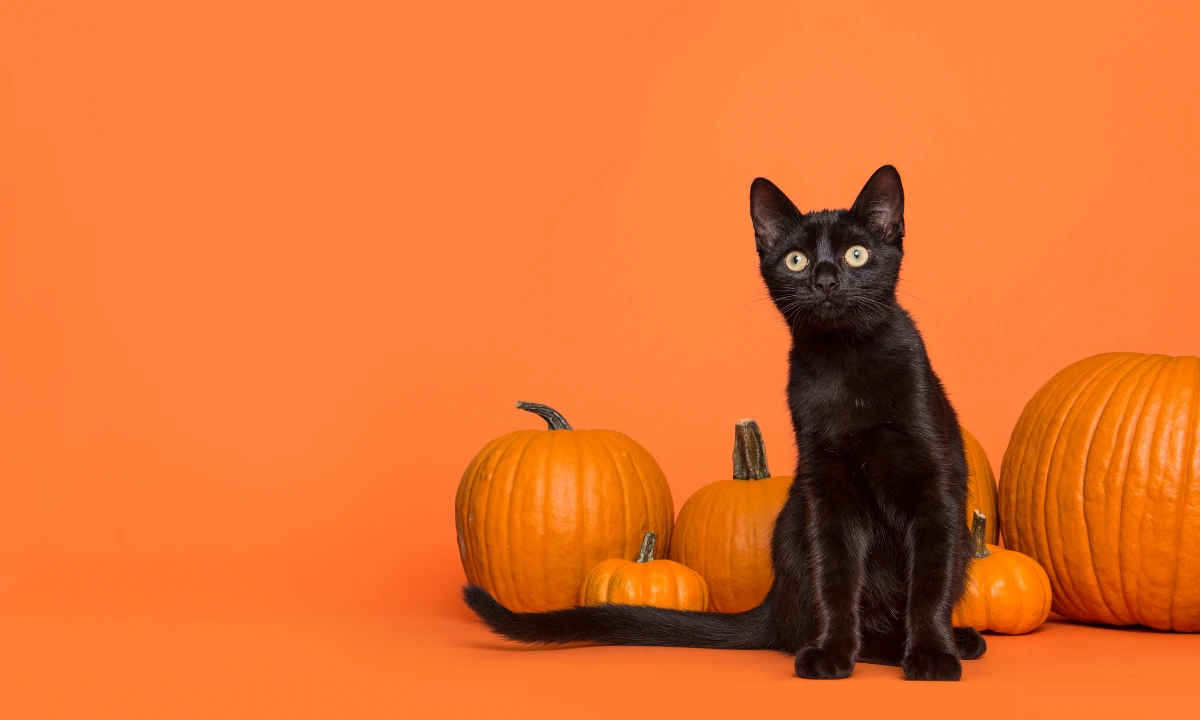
871	548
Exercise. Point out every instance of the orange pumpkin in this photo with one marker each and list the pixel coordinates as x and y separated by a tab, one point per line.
1006	592
724	529
646	581
981	485
537	509
1101	485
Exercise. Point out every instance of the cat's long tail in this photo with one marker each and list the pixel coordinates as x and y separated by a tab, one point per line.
625	625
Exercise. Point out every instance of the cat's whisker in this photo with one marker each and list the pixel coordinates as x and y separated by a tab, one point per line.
927	307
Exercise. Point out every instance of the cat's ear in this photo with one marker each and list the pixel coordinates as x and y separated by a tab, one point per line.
772	212
880	204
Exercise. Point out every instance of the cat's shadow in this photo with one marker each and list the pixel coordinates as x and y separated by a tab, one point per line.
512	647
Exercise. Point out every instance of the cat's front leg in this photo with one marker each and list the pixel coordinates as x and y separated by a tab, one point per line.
930	651
837	538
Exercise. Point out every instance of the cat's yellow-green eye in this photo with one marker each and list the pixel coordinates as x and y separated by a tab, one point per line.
795	261
856	256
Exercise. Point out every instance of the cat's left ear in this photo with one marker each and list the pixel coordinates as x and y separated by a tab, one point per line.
881	204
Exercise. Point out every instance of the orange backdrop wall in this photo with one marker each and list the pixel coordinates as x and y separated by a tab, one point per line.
271	273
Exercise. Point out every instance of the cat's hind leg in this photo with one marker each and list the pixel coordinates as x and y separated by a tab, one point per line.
970	644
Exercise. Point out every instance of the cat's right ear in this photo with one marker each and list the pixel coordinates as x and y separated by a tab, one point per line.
772	212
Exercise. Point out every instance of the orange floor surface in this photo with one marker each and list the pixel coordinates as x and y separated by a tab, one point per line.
57	666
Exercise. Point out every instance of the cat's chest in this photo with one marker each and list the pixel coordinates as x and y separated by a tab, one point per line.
848	395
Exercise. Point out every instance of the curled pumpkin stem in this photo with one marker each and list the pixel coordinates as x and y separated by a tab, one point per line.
552	417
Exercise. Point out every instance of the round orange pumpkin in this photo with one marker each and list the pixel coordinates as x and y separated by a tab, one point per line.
724	529
537	509
1101	485
1007	592
645	581
981	485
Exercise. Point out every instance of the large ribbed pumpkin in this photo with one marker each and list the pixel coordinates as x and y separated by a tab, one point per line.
537	509
724	528
1101	485
981	486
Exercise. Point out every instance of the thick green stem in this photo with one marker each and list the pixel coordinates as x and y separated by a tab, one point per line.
647	552
978	529
547	413
749	453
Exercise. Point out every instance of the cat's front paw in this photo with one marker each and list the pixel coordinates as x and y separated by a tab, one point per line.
969	642
818	664
931	665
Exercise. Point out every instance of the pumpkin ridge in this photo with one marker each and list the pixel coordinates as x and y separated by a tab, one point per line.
753	530
1154	429
1045	537
1087	595
1111	615
698	529
592	489
588	491
714	562
731	556
462	508
1138	383
983	585
1180	513
1134	430
486	492
521	588
1189	564
1044	583
676	592
706	520
487	504
750	529
546	492
1082	409
613	472
470	491
1097	412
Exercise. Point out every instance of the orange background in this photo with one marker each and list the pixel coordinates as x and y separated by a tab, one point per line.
271	273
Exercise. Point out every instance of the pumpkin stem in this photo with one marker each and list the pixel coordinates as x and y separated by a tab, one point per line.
647	552
547	413
978	527
749	453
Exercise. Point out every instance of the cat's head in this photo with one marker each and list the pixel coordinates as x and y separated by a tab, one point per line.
831	269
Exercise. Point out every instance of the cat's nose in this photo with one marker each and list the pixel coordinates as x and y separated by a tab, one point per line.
827	283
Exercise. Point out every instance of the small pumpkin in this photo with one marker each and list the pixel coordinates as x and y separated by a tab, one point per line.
1007	592
1101	485
724	528
645	581
981	485
537	509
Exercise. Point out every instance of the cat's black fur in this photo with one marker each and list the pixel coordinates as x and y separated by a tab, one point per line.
871	547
